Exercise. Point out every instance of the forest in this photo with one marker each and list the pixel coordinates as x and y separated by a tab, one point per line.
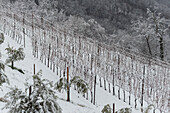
110	21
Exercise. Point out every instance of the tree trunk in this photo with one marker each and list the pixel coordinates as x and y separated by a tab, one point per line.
161	48
147	40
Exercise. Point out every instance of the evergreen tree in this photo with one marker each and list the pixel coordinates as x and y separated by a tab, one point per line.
82	86
2	38
3	77
124	110
106	109
61	84
41	100
14	55
147	110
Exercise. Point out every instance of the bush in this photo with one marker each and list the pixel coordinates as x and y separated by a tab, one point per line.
124	110
148	108
1	38
61	84
41	100
14	55
106	109
82	86
3	77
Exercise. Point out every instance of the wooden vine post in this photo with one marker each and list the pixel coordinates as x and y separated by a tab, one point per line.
142	87
94	90
113	81
34	69
68	87
113	107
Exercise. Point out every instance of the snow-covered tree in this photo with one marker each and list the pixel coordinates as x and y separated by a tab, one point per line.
61	84
42	99
3	77
160	29
153	30
14	55
106	109
82	86
1	38
145	31
124	110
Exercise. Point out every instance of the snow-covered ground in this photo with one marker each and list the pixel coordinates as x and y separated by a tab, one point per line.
78	103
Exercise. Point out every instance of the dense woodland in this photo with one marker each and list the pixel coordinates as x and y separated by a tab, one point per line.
110	21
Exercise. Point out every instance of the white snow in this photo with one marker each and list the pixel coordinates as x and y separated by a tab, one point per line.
78	103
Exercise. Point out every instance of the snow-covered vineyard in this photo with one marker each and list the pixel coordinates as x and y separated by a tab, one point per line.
58	48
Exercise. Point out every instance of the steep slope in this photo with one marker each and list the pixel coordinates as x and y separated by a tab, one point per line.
78	104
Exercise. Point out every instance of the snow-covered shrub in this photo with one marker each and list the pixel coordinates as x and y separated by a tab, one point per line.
42	99
147	110
61	84
14	55
106	109
124	110
1	38
82	86
18	100
3	77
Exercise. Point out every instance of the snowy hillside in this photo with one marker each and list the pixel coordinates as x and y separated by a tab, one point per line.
78	104
108	74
